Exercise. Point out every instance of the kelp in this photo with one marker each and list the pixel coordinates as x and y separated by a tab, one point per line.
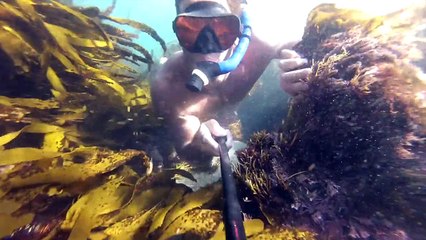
140	26
74	61
349	159
57	70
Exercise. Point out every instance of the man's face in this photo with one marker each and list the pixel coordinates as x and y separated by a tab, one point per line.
196	57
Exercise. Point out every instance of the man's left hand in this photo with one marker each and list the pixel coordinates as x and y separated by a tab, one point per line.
293	81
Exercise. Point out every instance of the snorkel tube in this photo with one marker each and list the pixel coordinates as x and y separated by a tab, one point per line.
206	70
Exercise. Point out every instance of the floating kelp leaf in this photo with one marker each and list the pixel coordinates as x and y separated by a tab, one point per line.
54	142
135	46
109	82
32	128
29	103
9	12
21	155
251	227
71	118
191	201
140	26
75	40
9	223
139	203
283	233
89	211
34	19
128	229
64	60
9	137
38	127
175	195
140	97
28	9
131	56
13	46
8	206
197	222
116	32
55	81
2	193
61	37
84	19
14	200
159	179
74	212
116	202
88	43
74	172
88	11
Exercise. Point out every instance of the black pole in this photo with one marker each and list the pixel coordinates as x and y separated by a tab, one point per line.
232	216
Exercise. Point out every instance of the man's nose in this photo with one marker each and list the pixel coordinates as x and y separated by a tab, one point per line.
207	41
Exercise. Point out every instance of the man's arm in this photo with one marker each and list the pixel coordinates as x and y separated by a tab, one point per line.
186	130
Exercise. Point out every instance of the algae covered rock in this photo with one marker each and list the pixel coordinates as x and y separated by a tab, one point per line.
350	160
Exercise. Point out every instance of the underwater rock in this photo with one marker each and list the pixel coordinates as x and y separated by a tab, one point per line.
350	162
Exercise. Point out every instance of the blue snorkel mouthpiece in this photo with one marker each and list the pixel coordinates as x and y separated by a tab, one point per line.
206	70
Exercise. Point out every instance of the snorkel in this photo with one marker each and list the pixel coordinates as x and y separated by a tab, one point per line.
205	71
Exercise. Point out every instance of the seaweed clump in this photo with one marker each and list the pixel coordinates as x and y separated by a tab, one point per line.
349	162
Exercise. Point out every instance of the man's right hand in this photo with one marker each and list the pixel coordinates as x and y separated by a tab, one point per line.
205	137
201	135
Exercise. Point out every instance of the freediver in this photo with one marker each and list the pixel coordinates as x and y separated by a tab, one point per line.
221	60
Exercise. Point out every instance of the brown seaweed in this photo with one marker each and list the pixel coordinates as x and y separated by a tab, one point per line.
350	160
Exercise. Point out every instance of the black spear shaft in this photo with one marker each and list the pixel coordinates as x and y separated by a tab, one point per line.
233	220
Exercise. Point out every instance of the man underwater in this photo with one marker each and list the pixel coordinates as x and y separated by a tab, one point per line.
209	31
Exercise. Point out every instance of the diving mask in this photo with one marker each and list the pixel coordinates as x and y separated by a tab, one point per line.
206	27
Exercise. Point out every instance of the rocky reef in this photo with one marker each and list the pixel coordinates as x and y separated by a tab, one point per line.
350	160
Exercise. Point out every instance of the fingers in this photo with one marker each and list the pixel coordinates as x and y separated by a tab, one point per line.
290	64
208	144
189	126
215	128
293	82
296	75
288	53
217	131
295	88
229	139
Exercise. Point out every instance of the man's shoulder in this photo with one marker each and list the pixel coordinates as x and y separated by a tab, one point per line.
167	71
170	65
174	59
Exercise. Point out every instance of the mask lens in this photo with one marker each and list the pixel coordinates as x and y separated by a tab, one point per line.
226	29
187	30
